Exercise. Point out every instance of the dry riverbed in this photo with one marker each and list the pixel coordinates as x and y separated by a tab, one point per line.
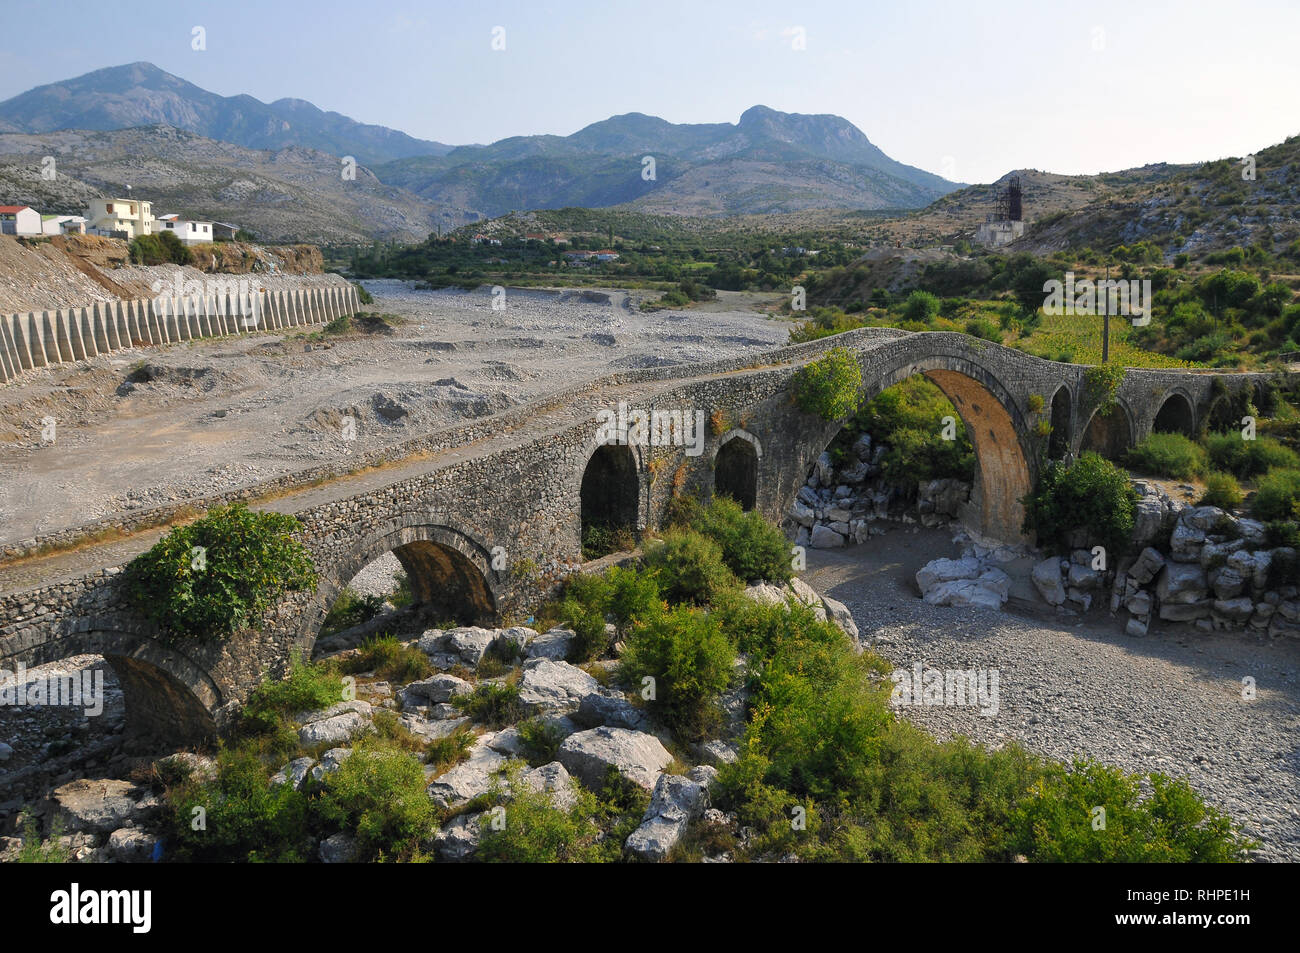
214	415
1170	702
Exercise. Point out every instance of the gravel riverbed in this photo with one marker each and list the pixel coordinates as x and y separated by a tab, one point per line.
1170	702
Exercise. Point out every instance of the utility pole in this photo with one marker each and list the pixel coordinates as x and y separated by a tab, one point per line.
1105	319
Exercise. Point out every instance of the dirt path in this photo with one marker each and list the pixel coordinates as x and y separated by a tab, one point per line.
1171	702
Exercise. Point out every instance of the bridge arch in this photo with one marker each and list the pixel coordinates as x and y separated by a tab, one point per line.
735	467
450	573
170	698
1004	471
610	488
1111	435
1062	417
1176	415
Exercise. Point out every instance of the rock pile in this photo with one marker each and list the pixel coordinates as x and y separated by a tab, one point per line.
840	503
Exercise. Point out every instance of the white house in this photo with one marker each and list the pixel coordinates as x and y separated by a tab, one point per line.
107	216
189	231
63	224
19	220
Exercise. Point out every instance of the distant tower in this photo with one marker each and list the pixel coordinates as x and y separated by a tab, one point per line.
1006	224
1013	199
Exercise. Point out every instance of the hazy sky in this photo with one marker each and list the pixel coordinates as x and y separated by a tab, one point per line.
965	89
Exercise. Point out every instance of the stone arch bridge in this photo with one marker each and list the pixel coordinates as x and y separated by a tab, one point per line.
526	481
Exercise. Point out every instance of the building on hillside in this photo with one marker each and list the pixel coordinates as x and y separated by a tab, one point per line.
224	231
19	220
120	218
63	224
190	231
605	255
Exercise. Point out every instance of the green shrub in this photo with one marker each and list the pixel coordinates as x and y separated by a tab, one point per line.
752	547
1101	386
243	817
350	609
908	419
921	306
450	749
378	795
1221	490
1282	533
831	386
1093	495
540	740
985	330
689	567
533	830
588	624
306	688
363	295
497	705
1168	455
163	248
633	594
690	660
1248	458
1055	822
1276	496
389	659
38	851
219	574
823	738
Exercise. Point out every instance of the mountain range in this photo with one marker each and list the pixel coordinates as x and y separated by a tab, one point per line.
768	162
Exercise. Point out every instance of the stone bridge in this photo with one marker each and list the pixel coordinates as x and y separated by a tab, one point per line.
486	518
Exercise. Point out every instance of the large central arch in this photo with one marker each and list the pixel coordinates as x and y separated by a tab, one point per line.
1003	474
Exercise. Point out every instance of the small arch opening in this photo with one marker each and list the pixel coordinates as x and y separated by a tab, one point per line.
609	501
735	472
1058	445
1108	434
1175	416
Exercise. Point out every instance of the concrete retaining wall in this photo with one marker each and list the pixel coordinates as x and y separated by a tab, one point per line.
40	338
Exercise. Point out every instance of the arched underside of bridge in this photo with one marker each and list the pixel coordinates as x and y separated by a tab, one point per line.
1003	475
449	571
1176	415
1110	435
609	494
170	699
735	468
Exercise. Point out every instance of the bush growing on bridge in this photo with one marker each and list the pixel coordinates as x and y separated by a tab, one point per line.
1168	455
1093	496
1101	386
219	574
831	386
